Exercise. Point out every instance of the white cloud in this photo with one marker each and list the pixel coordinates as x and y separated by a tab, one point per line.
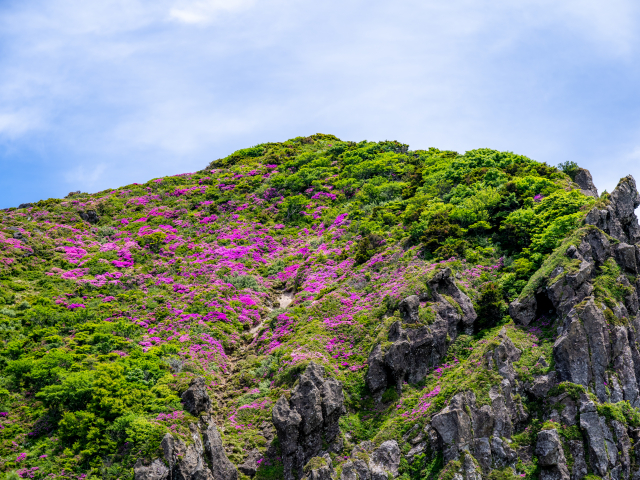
204	11
85	176
17	123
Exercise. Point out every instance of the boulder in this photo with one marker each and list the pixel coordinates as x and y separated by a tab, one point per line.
585	182
90	216
385	461
442	283
409	309
549	448
523	311
196	399
415	351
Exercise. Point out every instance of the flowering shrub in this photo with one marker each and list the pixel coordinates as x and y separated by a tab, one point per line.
243	273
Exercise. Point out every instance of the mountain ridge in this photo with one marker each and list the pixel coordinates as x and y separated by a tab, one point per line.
323	309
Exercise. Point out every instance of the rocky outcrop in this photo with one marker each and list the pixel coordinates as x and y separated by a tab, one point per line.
442	284
370	463
220	465
413	350
618	219
202	459
156	470
385	461
463	426
551	456
309	418
196	399
565	289
585	182
90	216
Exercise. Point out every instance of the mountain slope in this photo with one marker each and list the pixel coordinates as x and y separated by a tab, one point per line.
325	309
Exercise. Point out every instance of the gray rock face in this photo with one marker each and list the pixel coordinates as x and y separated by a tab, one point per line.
308	418
187	462
250	465
549	449
156	470
585	182
442	283
618	218
196	399
385	460
322	472
415	351
462	426
579	470
409	308
221	467
596	437
523	311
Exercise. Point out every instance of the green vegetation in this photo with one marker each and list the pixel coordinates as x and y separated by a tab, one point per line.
103	325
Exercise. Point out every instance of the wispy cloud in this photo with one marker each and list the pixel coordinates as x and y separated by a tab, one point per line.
154	88
204	11
13	124
85	175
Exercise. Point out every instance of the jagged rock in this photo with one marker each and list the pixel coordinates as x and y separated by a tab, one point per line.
585	182
414	351
470	470
591	425
185	462
523	311
551	456
542	384
442	283
625	256
579	470
618	219
25	205
504	355
250	465
624	448
503	454
196	399
157	470
355	469
409	309
385	460
481	450
583	351
319	468
221	467
310	416
376	378
90	216
549	448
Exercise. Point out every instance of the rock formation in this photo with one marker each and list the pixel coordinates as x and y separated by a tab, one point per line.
309	418
413	352
585	182
203	458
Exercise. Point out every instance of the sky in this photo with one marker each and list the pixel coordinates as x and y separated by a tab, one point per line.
100	94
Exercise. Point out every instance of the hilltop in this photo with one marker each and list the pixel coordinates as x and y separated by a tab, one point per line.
324	309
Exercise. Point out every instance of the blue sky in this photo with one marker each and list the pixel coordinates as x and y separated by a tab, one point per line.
103	93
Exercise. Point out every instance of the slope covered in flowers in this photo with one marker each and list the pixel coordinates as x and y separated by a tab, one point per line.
104	321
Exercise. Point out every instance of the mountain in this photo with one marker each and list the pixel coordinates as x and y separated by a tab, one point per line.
324	309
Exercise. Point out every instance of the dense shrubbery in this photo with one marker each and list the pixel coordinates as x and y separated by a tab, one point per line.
103	325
